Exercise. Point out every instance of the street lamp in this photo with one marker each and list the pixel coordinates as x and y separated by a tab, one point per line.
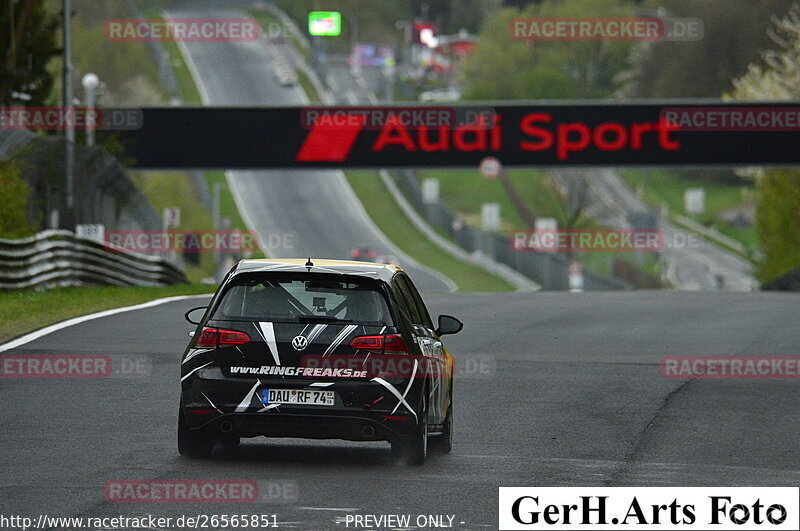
90	83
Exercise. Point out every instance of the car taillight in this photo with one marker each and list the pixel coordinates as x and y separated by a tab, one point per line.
389	343
215	337
395	417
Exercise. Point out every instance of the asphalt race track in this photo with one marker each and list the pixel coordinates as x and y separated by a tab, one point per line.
552	390
317	209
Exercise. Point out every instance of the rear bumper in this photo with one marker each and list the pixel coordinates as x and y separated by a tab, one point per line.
310	426
364	410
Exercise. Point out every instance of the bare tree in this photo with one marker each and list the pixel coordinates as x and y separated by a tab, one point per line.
576	197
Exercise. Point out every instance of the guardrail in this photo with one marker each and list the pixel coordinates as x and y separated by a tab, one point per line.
711	234
59	258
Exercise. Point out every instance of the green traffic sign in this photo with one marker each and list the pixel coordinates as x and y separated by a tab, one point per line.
325	23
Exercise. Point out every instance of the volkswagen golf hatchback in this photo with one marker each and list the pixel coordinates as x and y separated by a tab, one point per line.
317	349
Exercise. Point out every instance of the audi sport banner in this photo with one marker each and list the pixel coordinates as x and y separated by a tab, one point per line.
453	136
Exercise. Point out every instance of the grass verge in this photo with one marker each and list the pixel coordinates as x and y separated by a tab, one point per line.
227	205
23	311
175	189
391	220
465	191
308	87
188	90
666	187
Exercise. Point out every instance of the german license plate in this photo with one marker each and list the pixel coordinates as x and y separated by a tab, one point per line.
308	397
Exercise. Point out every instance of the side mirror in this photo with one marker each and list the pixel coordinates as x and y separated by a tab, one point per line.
195	314
448	325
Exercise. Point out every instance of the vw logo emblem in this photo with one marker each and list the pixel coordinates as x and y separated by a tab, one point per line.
300	342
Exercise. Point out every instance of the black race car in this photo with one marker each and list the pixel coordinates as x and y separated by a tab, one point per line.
317	349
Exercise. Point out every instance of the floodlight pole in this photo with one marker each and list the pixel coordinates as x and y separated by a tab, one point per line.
69	218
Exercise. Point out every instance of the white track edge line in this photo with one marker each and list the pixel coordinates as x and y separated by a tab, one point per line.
32	336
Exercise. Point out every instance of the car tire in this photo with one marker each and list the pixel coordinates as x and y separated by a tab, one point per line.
414	449
194	444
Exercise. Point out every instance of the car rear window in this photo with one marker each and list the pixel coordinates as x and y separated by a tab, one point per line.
306	298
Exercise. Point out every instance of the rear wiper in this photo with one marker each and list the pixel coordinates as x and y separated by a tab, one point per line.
322	318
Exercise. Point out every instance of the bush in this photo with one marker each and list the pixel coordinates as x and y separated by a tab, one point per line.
14	196
778	223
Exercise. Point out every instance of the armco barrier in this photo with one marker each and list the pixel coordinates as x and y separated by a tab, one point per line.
58	258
